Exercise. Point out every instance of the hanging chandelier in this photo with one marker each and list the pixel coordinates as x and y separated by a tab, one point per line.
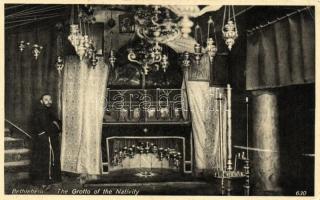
153	25
156	25
80	34
35	48
150	58
229	27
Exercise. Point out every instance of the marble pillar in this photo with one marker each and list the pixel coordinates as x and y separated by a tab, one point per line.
265	155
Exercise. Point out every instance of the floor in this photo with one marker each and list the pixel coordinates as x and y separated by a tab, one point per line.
129	183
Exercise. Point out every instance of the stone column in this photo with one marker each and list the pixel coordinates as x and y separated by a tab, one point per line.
265	155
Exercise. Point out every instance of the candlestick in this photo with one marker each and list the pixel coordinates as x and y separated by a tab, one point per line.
247	106
229	150
235	163
221	134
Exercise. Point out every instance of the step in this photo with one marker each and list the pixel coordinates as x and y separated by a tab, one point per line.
7	132
17	166
13	143
16	154
14	176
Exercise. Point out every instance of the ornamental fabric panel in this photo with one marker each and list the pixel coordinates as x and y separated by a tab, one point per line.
83	100
282	54
205	113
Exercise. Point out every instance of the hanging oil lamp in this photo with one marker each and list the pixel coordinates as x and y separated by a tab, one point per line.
81	50
111	22
230	34
74	36
23	45
112	58
59	64
229	30
86	41
94	60
186	60
36	50
197	53
165	63
211	48
197	46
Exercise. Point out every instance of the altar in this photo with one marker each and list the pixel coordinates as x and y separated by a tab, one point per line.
147	130
158	116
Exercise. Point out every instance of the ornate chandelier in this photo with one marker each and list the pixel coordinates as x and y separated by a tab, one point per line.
150	58
35	48
154	26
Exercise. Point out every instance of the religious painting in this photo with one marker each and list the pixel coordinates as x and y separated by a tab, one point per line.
126	23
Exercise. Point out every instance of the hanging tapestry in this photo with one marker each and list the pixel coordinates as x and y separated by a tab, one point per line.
208	114
83	101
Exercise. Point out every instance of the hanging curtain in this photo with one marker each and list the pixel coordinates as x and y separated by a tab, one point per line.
282	54
205	112
27	78
83	101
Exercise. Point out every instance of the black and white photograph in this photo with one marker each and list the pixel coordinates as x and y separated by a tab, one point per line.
134	99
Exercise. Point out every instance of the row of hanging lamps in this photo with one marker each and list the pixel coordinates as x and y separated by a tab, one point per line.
80	36
35	48
229	26
211	48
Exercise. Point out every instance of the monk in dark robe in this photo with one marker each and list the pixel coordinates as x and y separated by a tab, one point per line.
45	162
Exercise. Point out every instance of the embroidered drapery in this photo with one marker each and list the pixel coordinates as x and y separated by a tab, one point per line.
208	115
83	101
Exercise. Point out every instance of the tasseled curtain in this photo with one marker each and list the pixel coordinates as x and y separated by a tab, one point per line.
83	100
205	109
282	54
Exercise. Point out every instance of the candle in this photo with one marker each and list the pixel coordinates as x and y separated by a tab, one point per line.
229	147
235	163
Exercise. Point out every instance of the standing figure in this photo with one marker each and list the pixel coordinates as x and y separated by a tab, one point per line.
45	162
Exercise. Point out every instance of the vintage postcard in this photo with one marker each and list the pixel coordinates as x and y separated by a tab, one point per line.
150	99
